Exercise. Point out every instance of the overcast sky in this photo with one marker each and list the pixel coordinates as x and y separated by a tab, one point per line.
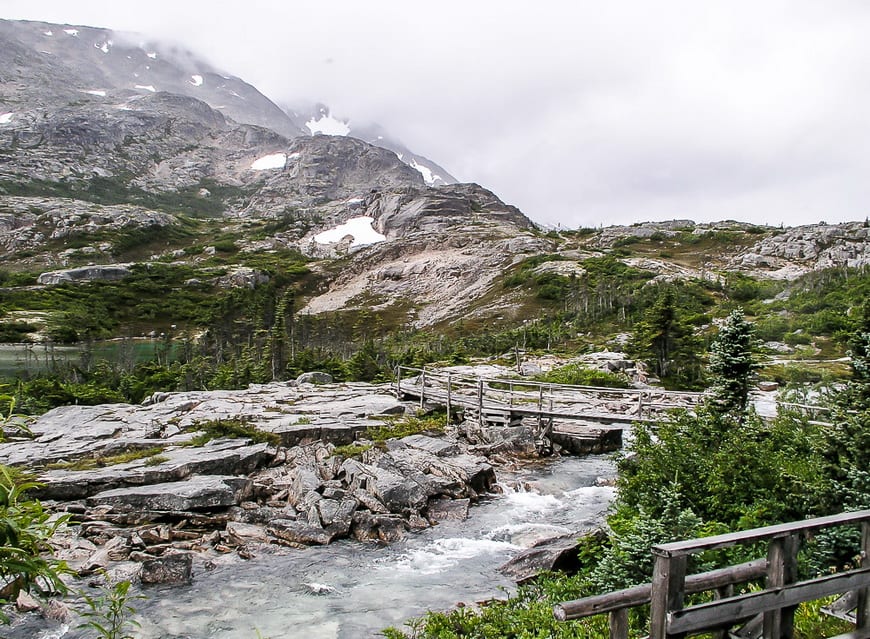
581	113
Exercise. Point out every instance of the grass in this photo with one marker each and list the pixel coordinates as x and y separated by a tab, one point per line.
90	463
351	450
232	428
398	427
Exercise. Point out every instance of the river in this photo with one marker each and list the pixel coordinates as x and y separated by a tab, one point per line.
351	590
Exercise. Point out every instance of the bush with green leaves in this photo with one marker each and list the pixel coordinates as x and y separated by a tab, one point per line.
25	529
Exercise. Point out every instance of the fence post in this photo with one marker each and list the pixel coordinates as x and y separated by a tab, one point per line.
781	570
511	394
619	624
422	388
640	405
862	614
540	406
668	591
480	419
449	397
399	383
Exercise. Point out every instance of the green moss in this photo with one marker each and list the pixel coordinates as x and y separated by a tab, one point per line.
351	450
232	428
398	427
89	463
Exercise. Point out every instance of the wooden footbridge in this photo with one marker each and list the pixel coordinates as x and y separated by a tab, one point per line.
568	415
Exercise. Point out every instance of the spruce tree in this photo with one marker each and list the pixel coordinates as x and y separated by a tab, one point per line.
732	365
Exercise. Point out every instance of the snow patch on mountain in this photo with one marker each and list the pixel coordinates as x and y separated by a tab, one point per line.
429	177
196	80
146	87
327	125
97	92
48	33
360	228
6	118
272	161
71	32
152	55
104	46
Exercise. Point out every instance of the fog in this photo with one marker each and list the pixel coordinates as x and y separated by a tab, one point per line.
581	113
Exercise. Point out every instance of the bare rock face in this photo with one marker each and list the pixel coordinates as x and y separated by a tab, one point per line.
798	250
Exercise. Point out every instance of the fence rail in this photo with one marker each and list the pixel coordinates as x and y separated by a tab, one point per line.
773	606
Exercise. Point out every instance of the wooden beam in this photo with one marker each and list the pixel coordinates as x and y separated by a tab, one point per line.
640	595
862	612
780	530
781	570
712	615
668	592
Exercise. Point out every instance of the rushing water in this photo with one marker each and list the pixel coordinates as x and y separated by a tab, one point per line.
350	590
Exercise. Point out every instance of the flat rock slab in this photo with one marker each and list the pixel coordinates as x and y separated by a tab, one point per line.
202	492
438	447
223	457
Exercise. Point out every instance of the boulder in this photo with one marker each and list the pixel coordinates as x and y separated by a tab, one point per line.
437	447
314	377
447	510
85	274
364	528
174	568
390	527
298	532
240	533
557	553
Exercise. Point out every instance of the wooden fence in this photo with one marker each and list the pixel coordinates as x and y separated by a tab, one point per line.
770	610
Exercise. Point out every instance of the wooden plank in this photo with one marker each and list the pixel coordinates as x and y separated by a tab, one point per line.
619	624
712	615
668	592
779	530
862	612
640	595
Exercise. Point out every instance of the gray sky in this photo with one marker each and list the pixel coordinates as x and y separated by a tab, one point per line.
581	113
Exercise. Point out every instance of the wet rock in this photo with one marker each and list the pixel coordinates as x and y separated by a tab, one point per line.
298	532
558	553
314	377
24	602
239	533
447	510
116	549
391	528
169	569
364	528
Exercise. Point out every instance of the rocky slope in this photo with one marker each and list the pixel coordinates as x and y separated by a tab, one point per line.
114	150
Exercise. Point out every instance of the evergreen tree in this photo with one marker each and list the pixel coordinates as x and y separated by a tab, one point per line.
732	365
663	340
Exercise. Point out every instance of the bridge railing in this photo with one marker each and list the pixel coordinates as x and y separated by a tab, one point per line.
459	389
774	605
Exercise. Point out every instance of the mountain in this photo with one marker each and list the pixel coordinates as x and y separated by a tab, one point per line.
101	138
140	190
